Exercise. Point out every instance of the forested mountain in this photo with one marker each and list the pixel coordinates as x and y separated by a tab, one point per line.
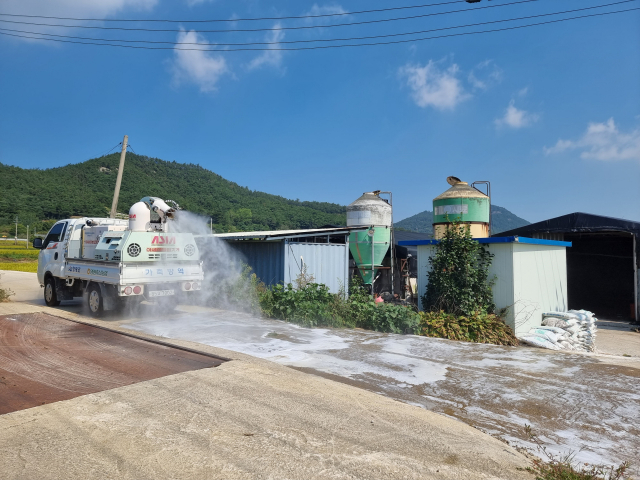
87	189
39	197
502	220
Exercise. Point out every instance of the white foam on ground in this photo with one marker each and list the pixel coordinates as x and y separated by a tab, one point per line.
497	389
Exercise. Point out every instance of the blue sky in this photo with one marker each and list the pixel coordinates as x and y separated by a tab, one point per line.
549	114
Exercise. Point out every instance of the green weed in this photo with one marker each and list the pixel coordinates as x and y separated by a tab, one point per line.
553	467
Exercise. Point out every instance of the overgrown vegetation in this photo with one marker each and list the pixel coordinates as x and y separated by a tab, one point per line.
459	281
34	195
314	305
5	292
553	467
458	302
479	327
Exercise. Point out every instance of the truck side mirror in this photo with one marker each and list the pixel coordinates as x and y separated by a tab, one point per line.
37	243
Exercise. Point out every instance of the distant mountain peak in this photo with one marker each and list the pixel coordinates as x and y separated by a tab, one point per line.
502	220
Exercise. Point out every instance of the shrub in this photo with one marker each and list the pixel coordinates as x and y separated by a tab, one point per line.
314	305
5	293
479	327
459	277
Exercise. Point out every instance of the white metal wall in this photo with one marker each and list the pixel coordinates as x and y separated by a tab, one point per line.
540	283
327	262
530	279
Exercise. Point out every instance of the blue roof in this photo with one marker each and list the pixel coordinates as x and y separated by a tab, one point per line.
515	239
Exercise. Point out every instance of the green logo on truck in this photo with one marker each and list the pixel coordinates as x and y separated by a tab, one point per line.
102	273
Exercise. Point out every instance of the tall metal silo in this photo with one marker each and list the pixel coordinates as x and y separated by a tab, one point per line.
369	247
465	204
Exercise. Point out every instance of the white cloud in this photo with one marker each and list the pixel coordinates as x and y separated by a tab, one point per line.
201	68
271	57
602	141
432	87
484	75
516	118
71	8
325	10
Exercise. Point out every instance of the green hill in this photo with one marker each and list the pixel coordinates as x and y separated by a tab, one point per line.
87	189
502	220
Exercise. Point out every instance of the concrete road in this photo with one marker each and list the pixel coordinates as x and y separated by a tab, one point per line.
246	419
583	403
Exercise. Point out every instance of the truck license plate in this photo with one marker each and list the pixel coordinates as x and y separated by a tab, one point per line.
161	293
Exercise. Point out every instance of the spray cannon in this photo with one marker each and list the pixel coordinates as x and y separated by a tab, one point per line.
140	214
160	207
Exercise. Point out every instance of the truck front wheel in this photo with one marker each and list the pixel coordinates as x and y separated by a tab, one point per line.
94	301
50	295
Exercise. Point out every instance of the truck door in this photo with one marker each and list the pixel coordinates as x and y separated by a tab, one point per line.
51	256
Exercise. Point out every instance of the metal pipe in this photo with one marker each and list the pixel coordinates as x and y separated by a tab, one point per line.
635	277
392	246
488	183
373	236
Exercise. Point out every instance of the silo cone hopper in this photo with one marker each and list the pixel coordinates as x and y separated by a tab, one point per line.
370	246
360	244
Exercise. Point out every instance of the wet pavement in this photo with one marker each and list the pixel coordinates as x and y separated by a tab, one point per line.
45	359
575	403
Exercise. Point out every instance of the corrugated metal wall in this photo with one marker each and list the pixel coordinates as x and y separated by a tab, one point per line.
266	259
328	263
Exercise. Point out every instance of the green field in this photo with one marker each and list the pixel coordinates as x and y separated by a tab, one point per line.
18	257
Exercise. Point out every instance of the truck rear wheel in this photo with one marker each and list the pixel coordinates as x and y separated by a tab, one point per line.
50	295
95	301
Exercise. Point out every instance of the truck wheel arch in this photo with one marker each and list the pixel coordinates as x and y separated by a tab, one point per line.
108	293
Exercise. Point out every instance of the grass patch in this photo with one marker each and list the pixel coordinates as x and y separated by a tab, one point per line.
20	266
8	255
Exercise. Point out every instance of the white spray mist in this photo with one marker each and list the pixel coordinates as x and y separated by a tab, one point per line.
224	284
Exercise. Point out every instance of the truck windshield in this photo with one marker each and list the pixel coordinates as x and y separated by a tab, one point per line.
55	234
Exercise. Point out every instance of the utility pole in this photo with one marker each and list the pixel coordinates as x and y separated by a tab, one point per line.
114	205
27	237
15	239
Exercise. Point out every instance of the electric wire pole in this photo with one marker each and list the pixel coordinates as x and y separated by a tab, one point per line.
114	205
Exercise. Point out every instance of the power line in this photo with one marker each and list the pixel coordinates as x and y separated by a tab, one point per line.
109	151
324	15
328	39
306	27
321	47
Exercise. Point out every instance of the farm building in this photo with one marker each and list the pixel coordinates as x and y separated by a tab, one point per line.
531	276
602	265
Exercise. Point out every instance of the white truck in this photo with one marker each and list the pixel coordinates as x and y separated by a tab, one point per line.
113	262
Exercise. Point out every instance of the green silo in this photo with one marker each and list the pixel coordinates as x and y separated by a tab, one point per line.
462	203
369	247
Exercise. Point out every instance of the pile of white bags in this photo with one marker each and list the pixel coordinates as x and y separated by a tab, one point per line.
573	330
